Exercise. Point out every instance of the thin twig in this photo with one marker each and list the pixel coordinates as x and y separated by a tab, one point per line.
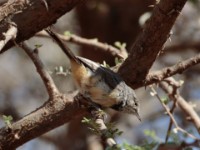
121	53
171	116
99	117
10	34
157	76
172	110
181	146
170	122
47	80
185	107
182	46
99	120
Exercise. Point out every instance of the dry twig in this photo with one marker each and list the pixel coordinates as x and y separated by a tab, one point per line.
99	120
157	76
182	46
170	122
121	53
175	96
183	145
152	77
47	80
178	128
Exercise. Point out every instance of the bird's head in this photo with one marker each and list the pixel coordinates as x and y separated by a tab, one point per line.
128	102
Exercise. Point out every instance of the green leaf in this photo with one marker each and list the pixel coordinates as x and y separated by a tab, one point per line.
118	61
175	138
105	64
38	45
8	120
60	70
165	100
132	147
120	45
85	120
116	147
150	146
67	33
150	133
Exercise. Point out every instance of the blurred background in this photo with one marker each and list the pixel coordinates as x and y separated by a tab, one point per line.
22	90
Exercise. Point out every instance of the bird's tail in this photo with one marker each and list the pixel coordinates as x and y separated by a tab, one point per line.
64	48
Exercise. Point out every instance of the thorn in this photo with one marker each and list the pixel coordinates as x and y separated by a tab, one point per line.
138	116
45	4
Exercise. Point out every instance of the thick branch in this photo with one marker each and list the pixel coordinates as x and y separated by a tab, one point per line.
144	50
34	14
52	114
150	42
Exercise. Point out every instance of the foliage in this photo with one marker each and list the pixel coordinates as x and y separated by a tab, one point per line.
105	64
8	120
67	33
60	70
120	45
111	131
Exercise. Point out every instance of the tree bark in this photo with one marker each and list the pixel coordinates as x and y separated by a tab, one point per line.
31	16
150	42
55	112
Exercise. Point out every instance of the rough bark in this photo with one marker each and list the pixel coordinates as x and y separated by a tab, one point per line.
32	16
150	42
52	114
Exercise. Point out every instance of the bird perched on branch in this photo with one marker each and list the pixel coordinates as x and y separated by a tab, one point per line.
103	86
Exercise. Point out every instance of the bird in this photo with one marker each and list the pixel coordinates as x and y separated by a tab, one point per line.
103	86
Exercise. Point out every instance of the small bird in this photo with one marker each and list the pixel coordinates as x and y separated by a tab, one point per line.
103	86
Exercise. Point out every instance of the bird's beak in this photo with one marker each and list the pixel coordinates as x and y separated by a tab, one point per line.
138	116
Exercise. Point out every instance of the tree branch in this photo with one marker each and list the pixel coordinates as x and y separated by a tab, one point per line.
178	128
150	42
41	17
52	114
144	51
181	146
47	80
170	89
105	136
157	76
170	122
182	46
89	42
